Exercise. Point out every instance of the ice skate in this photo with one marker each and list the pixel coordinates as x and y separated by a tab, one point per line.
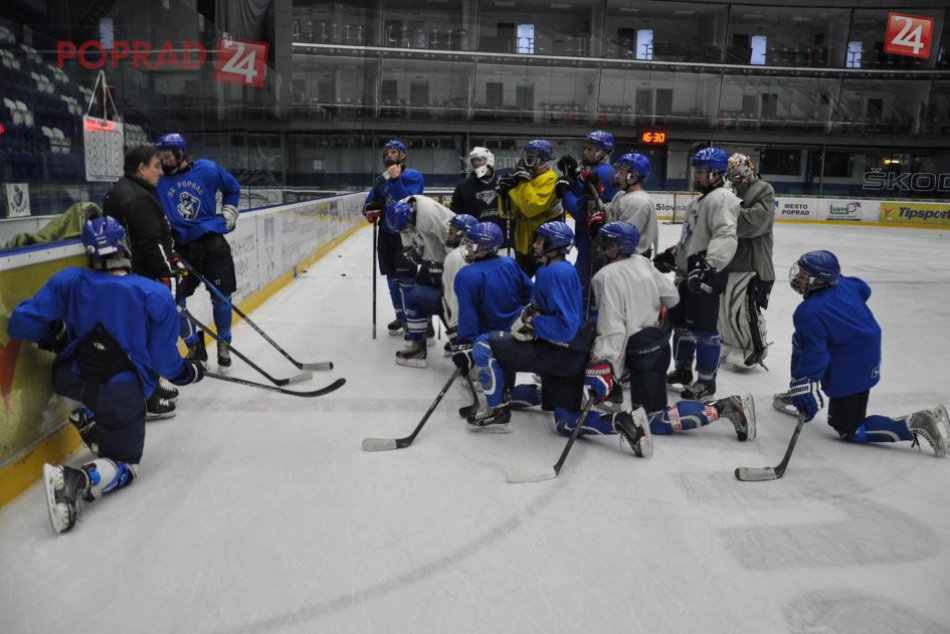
934	426
395	328
224	355
157	408
699	390
634	428
413	356
740	410
166	391
491	419
614	401
783	403
64	487
679	379
197	351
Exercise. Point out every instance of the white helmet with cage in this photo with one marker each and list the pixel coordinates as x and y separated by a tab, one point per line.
488	161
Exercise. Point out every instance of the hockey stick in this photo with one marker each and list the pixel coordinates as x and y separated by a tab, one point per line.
375	229
321	366
551	472
303	376
382	444
270	388
758	474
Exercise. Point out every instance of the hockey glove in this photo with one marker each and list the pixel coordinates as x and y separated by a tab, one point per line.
599	380
461	355
412	255
699	277
521	329
521	175
194	371
56	339
806	397
666	262
561	187
592	182
595	220
230	215
506	183
568	166
373	210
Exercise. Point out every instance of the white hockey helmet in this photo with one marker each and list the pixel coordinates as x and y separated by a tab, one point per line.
482	153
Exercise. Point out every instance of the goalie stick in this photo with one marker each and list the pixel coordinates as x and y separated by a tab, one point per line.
759	474
270	388
319	366
550	473
383	444
303	376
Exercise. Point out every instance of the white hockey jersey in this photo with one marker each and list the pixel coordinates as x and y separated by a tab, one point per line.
427	237
637	209
454	262
710	226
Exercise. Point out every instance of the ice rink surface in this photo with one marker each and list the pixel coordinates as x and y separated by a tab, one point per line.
256	512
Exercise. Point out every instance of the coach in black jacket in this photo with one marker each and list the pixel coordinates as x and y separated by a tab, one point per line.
133	202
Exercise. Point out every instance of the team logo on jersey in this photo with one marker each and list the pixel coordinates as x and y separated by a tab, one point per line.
188	205
488	196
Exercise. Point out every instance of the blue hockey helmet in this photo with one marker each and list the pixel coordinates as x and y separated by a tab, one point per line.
398	217
482	240
535	150
636	164
173	141
463	222
601	140
813	271
557	236
398	145
105	242
712	158
624	235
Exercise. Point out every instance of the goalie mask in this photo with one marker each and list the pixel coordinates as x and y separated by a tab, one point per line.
740	171
482	161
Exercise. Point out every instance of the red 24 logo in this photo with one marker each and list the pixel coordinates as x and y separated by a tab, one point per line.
908	35
241	62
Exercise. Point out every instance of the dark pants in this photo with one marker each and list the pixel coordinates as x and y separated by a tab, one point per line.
846	413
392	262
561	369
210	255
699	312
648	357
119	407
763	289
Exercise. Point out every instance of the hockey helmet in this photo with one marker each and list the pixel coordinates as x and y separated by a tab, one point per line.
624	235
482	241
399	217
601	140
638	168
557	236
813	271
536	152
173	141
106	243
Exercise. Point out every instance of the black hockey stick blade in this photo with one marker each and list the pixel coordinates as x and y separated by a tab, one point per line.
322	366
297	378
384	444
549	473
271	388
761	474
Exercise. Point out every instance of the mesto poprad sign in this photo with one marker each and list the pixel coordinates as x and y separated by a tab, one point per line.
236	61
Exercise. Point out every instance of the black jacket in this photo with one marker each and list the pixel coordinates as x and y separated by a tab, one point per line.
134	203
475	197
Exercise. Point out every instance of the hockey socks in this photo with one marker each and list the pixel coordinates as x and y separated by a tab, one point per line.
881	429
489	371
595	424
524	396
107	475
704	346
684	348
682	416
221	311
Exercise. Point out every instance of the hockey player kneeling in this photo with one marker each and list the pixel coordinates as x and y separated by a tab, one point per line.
631	297
114	334
837	346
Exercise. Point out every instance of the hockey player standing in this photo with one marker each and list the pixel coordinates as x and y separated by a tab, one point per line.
577	198
530	190
395	183
114	333
188	191
422	226
741	318
477	193
632	297
705	248
632	203
546	338
133	202
837	346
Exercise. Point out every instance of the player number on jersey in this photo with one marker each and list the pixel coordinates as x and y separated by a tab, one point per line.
241	62
908	35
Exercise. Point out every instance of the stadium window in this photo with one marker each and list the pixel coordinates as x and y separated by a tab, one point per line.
758	50
838	164
781	162
645	44
526	39
855	50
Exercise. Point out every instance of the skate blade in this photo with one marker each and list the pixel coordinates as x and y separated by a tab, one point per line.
50	475
756	474
411	363
491	429
540	475
149	416
676	387
379	444
748	404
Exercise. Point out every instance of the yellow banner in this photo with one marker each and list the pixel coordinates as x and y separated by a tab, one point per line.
928	214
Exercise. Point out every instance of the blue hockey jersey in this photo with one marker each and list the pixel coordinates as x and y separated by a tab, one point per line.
410	183
575	203
189	199
837	339
557	295
491	294
139	313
